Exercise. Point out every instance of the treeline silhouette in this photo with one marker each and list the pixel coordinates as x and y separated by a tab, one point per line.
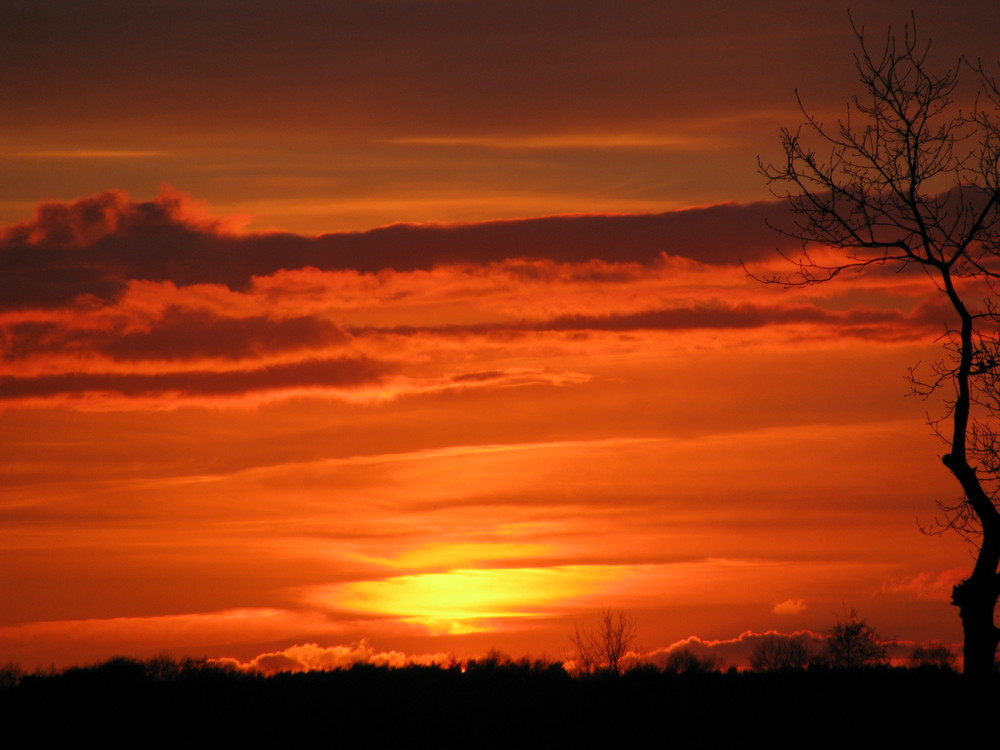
493	702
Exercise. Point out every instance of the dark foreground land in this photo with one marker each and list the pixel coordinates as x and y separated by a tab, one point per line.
164	704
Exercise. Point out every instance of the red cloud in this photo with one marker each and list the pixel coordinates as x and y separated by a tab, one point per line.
869	322
178	335
86	221
935	586
338	373
91	247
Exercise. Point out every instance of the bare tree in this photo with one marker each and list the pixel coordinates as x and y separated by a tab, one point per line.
910	178
779	652
685	661
606	645
932	655
11	675
853	644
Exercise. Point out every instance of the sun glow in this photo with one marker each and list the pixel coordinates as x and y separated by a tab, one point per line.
465	600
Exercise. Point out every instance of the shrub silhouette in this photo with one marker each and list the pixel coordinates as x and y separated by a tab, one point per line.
933	656
10	675
685	661
777	652
853	644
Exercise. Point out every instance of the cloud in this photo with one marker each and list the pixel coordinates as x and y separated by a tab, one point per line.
69	641
335	373
868	321
567	141
311	657
184	334
789	607
86	221
155	299
733	652
91	248
89	154
928	585
178	334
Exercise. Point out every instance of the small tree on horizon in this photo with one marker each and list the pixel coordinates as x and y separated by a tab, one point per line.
779	652
685	661
933	655
853	644
605	647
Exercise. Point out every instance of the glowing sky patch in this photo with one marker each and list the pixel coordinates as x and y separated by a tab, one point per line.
456	600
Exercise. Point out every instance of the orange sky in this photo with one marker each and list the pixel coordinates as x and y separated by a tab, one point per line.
560	392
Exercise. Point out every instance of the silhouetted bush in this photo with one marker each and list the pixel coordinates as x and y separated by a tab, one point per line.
685	661
933	656
10	675
777	652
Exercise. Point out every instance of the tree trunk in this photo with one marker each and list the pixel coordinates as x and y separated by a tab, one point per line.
976	596
976	599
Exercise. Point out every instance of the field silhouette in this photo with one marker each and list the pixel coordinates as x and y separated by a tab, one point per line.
486	703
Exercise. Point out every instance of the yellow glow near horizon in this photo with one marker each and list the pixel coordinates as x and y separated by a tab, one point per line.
457	600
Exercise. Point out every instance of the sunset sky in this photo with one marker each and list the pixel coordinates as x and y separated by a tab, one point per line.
424	322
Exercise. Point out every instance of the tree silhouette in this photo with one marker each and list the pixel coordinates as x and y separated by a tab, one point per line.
685	661
606	645
853	644
779	652
933	655
910	179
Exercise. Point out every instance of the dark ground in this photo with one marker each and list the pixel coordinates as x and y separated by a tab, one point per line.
165	704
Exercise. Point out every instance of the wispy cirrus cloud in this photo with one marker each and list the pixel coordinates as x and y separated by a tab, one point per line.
333	374
929	585
85	153
567	141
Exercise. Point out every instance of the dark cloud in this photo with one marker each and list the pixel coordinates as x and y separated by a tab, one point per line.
739	316
32	338
92	247
183	334
336	373
867	319
478	377
177	335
